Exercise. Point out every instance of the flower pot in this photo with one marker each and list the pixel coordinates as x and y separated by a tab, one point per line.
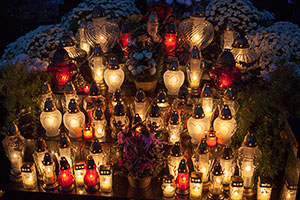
139	182
146	86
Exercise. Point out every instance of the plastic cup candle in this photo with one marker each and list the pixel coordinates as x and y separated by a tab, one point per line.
29	176
236	188
196	185
88	132
49	175
211	138
264	189
79	172
106	181
182	180
168	186
65	178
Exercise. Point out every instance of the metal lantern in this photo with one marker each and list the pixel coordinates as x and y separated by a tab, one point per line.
173	78
216	185
100	31
196	31
196	185
119	120
175	127
65	177
225	126
182	180
176	155
201	160
96	64
29	175
264	189
38	156
74	120
168	186
106	178
195	68
91	177
97	154
51	118
236	188
70	93
99	123
140	105
14	146
207	100
248	155
227	162
79	173
114	75
245	58
49	175
227	38
197	124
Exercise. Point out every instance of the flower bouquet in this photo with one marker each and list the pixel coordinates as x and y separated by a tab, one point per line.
142	155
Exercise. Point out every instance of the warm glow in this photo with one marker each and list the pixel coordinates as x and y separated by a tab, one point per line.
64	175
99	130
203	169
51	120
196	189
101	38
91	176
194	77
99	73
174	80
196	37
15	156
170	40
64	78
218	180
235	193
207	109
113	78
74	122
248	168
183	179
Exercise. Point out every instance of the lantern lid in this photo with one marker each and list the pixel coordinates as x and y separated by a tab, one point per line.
174	65
290	186
229	94
113	62
265	182
117	95
183	93
226	59
153	18
154	111
73	107
137	119
90	164
196	177
176	150
171	28
66	40
206	91
47	160
195	93
195	53
98	12
162	96
94	90
98	114
229	26
41	145
183	166
119	109
140	95
49	105
203	146
64	165
125	28
61	56
46	88
12	129
211	132
227	153
198	112
237	181
79	165
240	42
198	11
168	178
27	167
96	147
250	140
70	88
97	50
225	113
65	141
105	169
217	169
175	118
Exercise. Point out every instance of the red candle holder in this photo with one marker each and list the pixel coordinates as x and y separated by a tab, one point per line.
88	133
170	40
65	178
211	138
91	177
124	38
182	180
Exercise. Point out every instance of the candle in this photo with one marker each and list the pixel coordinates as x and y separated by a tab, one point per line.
247	172
79	173
91	177
29	176
88	132
16	161
49	176
168	186
182	180
236	188
105	178
65	178
289	192
196	185
264	189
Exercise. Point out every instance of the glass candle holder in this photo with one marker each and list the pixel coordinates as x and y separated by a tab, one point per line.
227	162
236	188
140	105
91	177
97	65
38	156
228	36
119	121
264	189
168	186
29	176
182	180
97	154
163	103
229	99
195	69
65	177
173	78
70	93
114	75
99	124
46	93
196	185
83	43
106	178
79	172
216	185
49	175
211	138
65	149
174	159
170	39
289	192
175	127
207	100
155	122
88	132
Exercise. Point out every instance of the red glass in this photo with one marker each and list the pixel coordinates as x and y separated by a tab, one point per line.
60	73
65	178
170	43
88	133
224	76
123	41
86	89
182	181
211	140
91	178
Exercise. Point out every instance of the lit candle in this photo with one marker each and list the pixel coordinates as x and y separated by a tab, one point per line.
247	172
182	180
91	177
65	178
264	189
49	176
173	78
289	192
99	124
236	188
97	66
174	127
79	173
38	156
168	186
174	159
195	70
207	100
97	153
216	185
29	176
170	39
227	162
16	161
114	75
106	180
88	132
211	137
196	185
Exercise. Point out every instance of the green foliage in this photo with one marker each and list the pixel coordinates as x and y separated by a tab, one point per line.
265	106
19	89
